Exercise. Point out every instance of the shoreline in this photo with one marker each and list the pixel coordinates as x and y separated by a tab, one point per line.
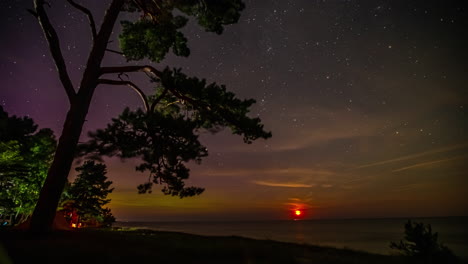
372	235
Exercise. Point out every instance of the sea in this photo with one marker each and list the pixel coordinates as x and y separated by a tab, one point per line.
371	235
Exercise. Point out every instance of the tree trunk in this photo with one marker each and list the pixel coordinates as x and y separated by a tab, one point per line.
44	212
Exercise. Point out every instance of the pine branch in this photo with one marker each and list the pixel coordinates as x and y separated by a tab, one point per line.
115	51
157	100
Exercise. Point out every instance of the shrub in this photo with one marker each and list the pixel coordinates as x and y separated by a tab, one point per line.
421	243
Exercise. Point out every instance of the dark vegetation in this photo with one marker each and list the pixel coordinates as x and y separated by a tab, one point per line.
84	199
421	244
146	246
125	245
25	156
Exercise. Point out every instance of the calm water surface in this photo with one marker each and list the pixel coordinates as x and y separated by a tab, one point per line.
373	235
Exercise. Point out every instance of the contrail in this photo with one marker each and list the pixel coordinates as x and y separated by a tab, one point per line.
423	164
464	145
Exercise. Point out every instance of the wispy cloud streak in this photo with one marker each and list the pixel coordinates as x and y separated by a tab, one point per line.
425	164
413	156
284	184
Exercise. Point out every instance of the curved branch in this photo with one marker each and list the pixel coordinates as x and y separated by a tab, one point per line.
146	69
132	85
120	69
88	13
157	73
54	47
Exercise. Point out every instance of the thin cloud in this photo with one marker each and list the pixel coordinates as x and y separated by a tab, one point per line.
413	156
272	171
324	129
410	187
425	164
283	184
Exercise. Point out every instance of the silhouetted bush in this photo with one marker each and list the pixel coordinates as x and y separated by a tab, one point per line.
419	242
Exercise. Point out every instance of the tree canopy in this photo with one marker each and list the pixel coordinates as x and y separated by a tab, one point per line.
165	136
158	29
164	132
87	194
25	156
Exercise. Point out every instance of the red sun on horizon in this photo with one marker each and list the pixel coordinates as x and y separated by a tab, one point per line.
297	214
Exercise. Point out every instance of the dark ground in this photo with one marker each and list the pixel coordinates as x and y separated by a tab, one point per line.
146	246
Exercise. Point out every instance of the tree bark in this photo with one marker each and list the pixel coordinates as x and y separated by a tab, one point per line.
44	212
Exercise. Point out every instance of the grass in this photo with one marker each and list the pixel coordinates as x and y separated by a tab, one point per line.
147	246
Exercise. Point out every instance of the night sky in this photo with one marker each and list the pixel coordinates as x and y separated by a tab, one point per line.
366	100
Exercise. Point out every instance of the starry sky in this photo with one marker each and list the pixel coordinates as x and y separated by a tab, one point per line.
366	100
